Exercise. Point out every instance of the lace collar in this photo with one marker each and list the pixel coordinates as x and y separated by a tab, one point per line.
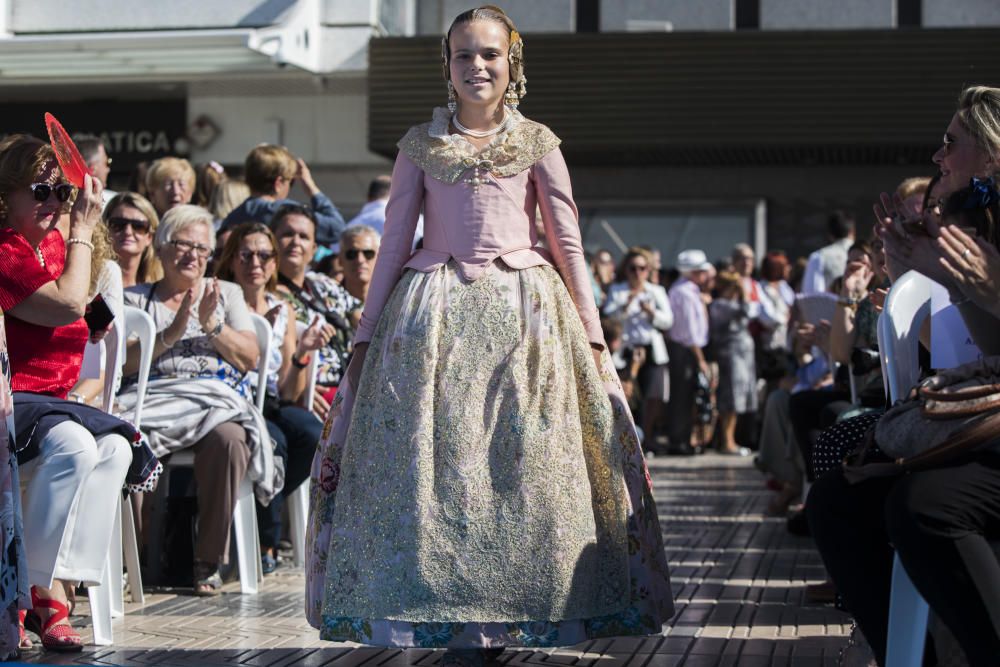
446	156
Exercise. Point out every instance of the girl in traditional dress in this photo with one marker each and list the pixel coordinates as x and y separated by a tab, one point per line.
479	483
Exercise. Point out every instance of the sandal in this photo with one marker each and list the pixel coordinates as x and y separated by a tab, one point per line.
207	582
60	638
23	641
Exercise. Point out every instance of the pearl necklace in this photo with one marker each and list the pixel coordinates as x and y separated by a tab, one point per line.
480	134
41	258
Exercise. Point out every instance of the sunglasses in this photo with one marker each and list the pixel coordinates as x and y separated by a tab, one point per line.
265	256
42	191
638	268
352	254
116	225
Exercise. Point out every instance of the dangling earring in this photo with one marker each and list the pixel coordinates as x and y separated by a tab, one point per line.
452	100
510	98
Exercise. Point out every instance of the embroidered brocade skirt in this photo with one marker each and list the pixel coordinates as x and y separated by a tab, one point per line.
484	486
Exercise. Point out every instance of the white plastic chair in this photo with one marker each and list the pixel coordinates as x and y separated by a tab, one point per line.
107	600
906	307
298	501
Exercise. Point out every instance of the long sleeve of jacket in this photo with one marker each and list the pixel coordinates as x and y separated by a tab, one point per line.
329	222
406	197
562	230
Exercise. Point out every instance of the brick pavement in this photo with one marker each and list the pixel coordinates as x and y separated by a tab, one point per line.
739	581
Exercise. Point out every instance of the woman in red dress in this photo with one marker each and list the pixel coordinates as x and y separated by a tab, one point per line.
75	457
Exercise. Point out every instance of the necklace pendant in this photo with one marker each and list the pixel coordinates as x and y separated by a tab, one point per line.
478	178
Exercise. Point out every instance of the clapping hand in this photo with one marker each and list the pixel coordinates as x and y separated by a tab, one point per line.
175	331
909	239
857	276
272	315
313	338
973	264
209	303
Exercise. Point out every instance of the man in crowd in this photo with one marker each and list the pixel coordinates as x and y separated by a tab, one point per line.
373	212
686	338
270	172
94	154
828	263
358	251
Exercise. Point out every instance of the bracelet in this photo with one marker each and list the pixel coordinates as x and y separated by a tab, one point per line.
77	241
216	330
163	341
301	364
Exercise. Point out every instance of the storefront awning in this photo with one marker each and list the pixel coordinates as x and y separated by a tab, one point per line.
153	55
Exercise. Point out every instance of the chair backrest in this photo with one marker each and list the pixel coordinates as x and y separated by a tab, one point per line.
263	330
906	307
114	357
310	392
139	322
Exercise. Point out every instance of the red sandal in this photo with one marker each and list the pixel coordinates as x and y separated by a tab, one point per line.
23	642
61	638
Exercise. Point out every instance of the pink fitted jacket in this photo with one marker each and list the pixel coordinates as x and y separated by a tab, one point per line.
477	225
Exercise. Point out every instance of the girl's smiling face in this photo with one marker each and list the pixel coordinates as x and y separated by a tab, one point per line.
478	67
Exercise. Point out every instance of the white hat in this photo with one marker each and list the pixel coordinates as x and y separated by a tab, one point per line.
692	260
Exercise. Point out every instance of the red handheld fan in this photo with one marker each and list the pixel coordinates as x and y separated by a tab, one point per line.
73	166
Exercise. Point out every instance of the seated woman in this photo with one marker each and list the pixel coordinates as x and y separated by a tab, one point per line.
76	457
198	390
936	519
313	294
131	221
249	259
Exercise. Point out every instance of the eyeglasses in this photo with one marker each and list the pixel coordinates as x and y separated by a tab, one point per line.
265	256
638	268
42	191
117	225
352	254
202	251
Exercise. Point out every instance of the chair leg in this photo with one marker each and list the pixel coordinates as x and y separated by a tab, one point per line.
298	512
130	543
116	590
247	541
907	621
101	602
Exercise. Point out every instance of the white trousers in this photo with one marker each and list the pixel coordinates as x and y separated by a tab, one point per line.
71	493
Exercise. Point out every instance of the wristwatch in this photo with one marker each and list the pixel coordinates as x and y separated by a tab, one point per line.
216	330
848	302
301	364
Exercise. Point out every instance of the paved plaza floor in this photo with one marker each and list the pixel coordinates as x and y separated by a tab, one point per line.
739	582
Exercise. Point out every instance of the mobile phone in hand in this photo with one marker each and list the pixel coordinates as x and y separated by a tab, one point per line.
98	315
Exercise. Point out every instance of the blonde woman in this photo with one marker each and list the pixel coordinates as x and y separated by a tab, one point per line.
229	194
170	182
131	222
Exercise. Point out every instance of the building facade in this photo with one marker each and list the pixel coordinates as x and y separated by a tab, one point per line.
684	123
